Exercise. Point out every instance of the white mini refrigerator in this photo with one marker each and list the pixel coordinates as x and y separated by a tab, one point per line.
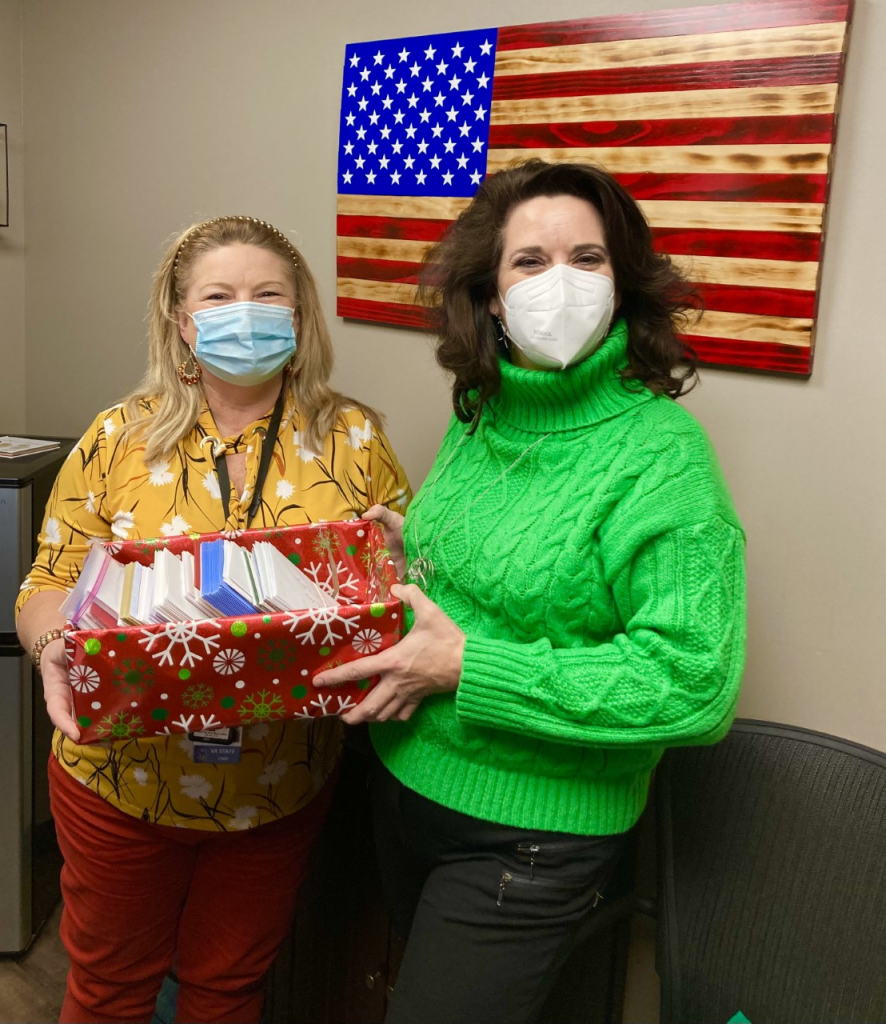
28	853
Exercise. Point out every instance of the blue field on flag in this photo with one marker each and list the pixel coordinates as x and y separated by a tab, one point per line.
415	115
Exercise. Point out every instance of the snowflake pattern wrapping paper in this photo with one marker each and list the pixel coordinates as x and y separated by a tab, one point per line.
179	677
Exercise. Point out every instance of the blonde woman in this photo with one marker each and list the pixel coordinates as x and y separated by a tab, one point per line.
234	425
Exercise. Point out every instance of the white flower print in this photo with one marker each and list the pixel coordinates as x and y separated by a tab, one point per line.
178	526
305	454
195	786
243	817
110	427
229	661
90	502
210	482
284	489
84	679
141	776
258	732
357	437
367	641
160	474
52	534
121	523
273	773
401	496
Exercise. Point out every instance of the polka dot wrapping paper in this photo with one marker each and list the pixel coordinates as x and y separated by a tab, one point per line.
180	677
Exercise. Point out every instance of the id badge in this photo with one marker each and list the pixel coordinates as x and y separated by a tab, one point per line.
217	746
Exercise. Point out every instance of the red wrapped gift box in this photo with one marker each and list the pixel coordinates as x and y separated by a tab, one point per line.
183	677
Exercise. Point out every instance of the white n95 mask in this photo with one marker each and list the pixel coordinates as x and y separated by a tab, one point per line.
559	317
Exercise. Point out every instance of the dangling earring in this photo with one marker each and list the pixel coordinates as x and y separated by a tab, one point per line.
501	336
191	377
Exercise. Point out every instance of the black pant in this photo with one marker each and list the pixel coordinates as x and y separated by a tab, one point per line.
489	910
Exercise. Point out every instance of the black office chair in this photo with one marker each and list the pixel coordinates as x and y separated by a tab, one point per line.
772	879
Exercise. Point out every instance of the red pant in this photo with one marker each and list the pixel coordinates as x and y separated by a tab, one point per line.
138	895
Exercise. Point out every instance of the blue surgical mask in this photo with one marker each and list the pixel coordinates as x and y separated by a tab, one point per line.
244	342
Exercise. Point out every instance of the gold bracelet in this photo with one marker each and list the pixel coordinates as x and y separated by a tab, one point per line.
42	641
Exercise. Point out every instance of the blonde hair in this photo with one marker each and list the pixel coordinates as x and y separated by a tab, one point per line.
178	405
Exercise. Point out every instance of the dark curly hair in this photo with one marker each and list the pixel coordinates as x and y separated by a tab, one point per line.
459	279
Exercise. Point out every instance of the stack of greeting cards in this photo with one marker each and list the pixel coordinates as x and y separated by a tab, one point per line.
198	633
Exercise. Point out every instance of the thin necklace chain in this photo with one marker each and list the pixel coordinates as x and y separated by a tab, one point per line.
422	569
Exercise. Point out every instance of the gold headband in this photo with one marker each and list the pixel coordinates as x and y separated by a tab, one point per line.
252	220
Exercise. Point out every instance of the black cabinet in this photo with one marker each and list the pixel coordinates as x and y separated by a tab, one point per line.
341	959
335	966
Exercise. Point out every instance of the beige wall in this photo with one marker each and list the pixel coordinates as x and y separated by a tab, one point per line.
12	239
140	118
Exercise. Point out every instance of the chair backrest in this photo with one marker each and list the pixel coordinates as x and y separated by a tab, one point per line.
772	879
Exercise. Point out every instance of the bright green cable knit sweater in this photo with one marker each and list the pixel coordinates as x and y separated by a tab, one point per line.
600	583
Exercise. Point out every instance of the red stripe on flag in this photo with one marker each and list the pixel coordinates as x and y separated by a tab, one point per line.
821	69
713	131
383	312
689	21
728	188
757	301
378	270
408	229
751	355
761	245
754	245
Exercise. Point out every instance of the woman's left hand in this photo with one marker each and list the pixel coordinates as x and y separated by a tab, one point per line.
427	660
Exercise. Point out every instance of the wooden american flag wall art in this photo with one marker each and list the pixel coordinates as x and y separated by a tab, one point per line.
719	120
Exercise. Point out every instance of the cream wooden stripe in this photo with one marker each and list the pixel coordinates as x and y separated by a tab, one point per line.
678	213
381	249
375	291
781	330
747	44
661	213
774	159
749	272
704	269
654	106
428	207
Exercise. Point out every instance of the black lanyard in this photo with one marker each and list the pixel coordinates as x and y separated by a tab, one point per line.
267	450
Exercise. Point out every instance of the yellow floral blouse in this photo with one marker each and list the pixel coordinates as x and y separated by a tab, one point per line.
105	489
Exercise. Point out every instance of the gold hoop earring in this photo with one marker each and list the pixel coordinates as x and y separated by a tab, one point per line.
189	377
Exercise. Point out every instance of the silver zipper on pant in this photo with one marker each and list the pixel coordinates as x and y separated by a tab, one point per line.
533	850
506	879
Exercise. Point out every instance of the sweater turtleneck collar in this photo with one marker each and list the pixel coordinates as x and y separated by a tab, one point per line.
541	401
